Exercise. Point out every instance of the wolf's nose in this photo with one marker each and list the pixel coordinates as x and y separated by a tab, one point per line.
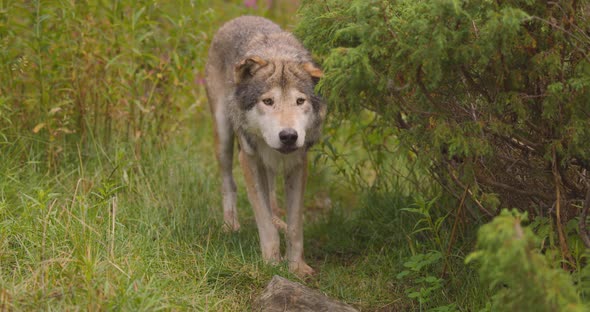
288	136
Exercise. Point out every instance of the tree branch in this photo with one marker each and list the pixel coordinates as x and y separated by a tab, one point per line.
514	189
582	221
565	251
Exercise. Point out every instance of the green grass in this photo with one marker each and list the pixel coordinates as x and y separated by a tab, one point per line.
115	233
108	203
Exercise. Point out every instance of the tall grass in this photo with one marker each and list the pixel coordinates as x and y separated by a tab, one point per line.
98	72
121	236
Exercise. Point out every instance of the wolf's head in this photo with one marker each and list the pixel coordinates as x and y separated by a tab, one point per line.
278	103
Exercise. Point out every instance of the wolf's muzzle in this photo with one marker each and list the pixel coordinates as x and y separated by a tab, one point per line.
288	136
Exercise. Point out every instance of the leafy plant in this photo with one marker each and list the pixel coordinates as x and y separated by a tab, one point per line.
424	282
428	222
509	262
492	97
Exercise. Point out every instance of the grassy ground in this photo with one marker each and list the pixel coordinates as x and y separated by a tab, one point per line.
88	223
116	233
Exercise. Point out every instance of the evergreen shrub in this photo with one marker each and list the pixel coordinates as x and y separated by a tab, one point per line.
494	96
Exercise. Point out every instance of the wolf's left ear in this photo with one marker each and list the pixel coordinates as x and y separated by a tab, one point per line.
313	71
247	67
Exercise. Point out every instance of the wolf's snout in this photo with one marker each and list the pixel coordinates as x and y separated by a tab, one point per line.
288	136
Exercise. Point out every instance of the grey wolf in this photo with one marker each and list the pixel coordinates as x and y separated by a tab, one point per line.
260	85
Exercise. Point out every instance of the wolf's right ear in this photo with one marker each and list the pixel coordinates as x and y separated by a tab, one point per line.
248	67
315	72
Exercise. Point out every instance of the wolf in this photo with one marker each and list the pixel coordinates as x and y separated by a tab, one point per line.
260	84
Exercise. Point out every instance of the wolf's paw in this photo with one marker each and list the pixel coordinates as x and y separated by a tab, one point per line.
231	223
300	268
272	257
230	228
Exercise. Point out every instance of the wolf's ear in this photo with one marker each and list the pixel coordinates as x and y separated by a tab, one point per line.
313	71
247	67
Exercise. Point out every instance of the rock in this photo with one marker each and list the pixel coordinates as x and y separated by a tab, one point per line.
283	295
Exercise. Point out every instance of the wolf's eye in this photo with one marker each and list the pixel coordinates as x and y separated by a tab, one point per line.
300	101
268	102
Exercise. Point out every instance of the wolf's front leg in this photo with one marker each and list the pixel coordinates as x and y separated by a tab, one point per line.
295	179
258	194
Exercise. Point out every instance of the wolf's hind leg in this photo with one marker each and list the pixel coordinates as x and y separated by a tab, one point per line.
224	150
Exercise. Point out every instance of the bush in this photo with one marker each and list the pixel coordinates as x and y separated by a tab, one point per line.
511	264
494	96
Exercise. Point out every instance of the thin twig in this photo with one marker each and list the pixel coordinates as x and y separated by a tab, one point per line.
473	197
436	175
474	85
454	230
565	251
423	87
514	189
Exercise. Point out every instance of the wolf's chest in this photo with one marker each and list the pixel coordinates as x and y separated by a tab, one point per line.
277	161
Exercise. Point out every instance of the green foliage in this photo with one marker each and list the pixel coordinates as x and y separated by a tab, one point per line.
510	263
364	150
492	100
435	266
97	69
428	222
487	94
425	283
